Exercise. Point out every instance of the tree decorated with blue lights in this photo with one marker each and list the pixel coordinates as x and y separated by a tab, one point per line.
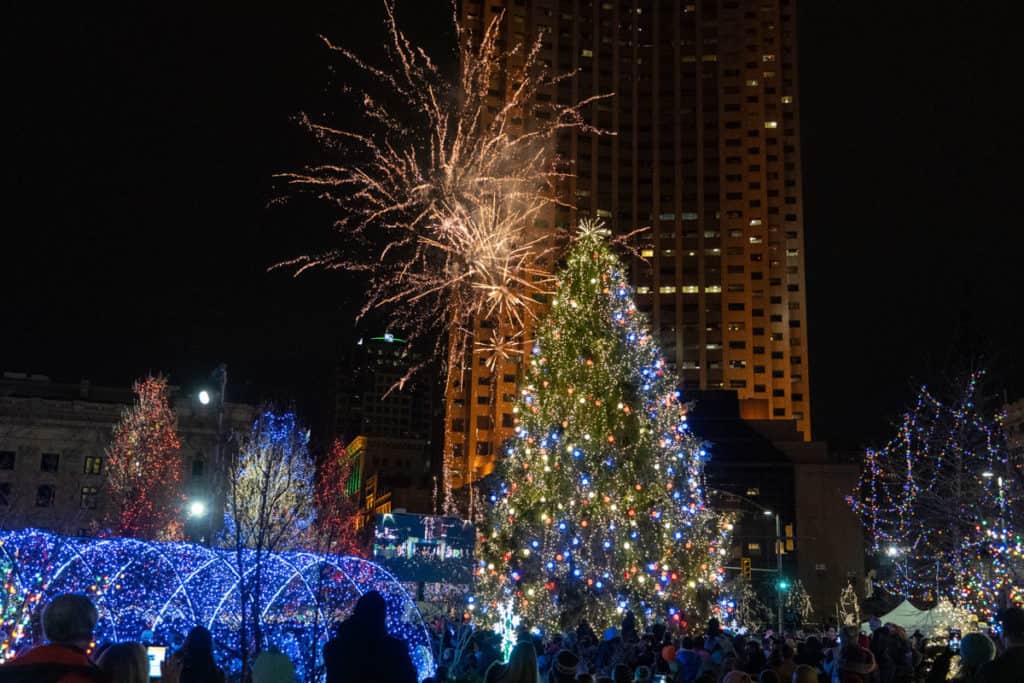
600	504
270	508
940	501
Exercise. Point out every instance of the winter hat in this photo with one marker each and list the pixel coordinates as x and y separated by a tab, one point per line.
565	664
668	653
976	649
736	677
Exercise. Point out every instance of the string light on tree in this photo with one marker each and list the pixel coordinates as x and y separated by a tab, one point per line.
337	508
144	472
798	601
600	505
935	502
849	607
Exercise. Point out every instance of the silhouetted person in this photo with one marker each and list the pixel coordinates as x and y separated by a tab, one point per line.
629	634
362	651
125	663
1009	666
196	657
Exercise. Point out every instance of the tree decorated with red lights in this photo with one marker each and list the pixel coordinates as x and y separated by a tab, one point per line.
939	501
335	497
144	471
599	505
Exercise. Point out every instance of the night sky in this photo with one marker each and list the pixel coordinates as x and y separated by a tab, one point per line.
140	146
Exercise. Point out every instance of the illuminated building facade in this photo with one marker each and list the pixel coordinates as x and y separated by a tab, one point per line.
706	154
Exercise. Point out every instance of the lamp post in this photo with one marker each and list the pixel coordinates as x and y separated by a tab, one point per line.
216	487
779	582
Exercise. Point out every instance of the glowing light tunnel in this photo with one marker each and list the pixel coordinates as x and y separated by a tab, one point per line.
167	588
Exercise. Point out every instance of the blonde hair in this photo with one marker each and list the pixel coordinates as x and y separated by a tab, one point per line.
125	663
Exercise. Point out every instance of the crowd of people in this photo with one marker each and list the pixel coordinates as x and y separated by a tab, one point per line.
622	655
362	651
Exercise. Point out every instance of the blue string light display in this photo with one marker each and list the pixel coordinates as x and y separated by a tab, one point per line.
168	588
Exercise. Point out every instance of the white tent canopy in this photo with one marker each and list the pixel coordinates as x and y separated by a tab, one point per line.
909	617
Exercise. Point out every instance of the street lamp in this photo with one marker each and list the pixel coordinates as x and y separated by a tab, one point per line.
197	509
204	397
782	585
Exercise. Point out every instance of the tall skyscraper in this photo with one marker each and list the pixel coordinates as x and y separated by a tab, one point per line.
705	152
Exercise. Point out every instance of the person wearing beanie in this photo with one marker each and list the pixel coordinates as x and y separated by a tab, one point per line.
642	674
976	650
668	653
563	670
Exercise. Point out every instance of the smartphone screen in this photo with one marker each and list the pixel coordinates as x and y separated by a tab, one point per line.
954	640
156	656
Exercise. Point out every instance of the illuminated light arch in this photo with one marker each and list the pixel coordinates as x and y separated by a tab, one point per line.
167	588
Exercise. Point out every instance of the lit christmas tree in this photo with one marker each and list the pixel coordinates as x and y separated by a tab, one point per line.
600	503
939	501
848	608
798	602
144	472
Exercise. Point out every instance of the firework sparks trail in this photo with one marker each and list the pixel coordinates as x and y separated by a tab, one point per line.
440	191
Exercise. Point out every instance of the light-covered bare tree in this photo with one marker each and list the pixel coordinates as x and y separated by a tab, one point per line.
270	508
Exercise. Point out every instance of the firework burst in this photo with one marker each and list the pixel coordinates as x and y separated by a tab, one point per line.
442	194
438	192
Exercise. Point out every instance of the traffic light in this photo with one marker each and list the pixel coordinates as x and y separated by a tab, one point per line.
745	568
790	538
783	585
